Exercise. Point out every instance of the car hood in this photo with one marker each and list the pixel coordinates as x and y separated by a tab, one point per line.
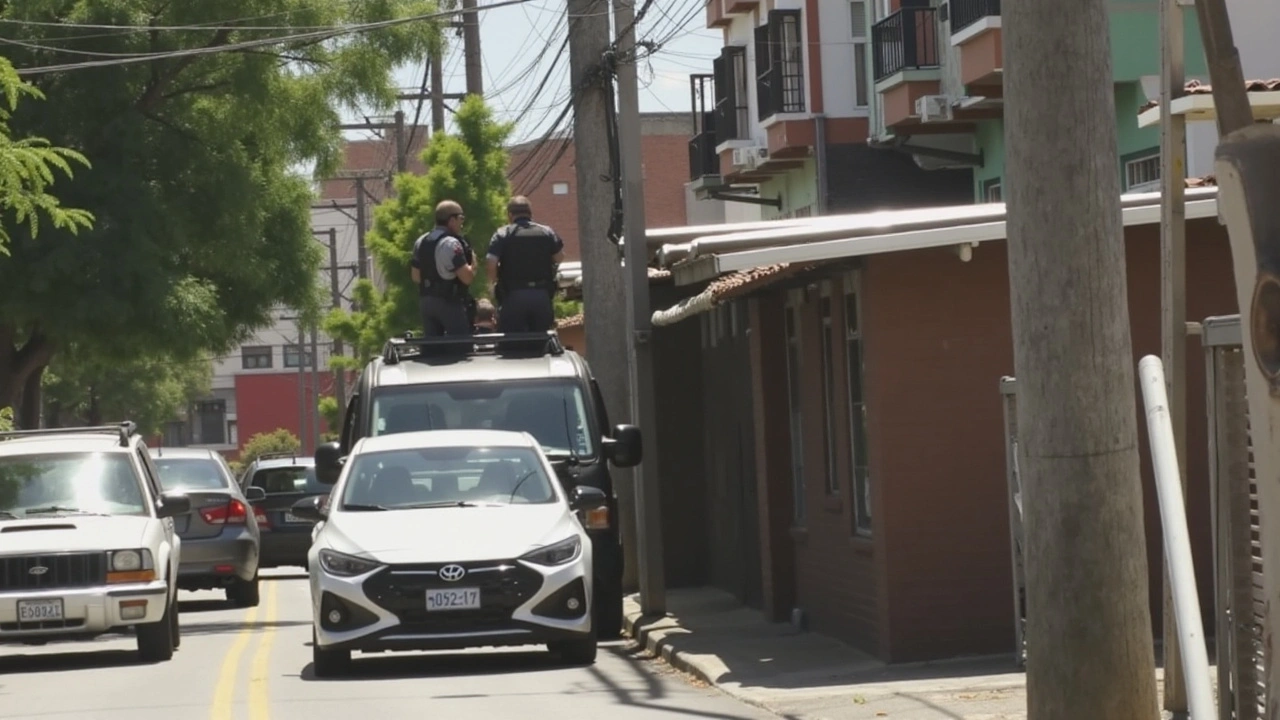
448	534
71	533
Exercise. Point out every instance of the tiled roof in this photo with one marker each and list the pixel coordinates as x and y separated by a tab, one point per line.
1195	87
569	322
1206	181
742	282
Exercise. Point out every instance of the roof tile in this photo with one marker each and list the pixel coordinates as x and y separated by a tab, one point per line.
1195	87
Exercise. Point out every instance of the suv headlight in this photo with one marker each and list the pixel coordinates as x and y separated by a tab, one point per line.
131	560
344	565
560	553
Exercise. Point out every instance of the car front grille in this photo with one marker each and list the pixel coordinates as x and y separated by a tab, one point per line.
504	586
53	571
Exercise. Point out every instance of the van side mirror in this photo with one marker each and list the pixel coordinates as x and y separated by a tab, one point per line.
328	462
254	493
624	448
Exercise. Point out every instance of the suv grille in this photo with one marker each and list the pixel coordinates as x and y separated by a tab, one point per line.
61	570
504	586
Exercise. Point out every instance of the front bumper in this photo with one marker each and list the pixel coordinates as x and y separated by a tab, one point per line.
205	561
520	604
85	611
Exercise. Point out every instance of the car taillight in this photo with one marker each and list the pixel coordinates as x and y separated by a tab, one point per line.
233	513
260	515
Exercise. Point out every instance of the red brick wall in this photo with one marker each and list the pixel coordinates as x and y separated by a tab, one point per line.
268	401
938	339
665	173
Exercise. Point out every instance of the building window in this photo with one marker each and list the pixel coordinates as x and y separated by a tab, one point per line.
794	411
861	38
175	434
861	478
993	191
211	422
732	119
780	65
1142	173
296	357
255	357
828	392
560	188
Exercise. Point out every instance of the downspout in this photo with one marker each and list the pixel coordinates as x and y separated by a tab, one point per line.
820	150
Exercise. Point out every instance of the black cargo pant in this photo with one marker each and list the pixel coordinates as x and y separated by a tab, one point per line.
443	316
526	310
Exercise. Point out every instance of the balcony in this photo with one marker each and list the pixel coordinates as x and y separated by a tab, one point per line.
703	160
971	17
976	35
704	163
906	40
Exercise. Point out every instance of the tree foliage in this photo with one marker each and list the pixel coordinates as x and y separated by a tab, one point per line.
202	222
469	166
82	389
27	169
332	414
279	440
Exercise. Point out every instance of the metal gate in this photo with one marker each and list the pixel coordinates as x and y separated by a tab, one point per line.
1237	550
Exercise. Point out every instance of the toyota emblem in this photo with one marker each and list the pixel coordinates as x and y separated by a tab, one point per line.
38	570
452	573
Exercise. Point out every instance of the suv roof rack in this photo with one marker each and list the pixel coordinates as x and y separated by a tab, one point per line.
529	344
291	454
124	430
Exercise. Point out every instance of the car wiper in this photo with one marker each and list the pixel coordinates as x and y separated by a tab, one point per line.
444	503
7	514
60	509
358	507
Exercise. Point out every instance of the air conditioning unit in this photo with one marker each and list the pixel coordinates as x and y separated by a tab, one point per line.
933	108
750	157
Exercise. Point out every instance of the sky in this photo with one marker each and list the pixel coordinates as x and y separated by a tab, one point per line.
511	38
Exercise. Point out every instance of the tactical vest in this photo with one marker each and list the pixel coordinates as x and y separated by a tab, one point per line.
432	282
527	249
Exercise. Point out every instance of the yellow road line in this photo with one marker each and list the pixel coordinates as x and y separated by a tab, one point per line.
259	706
225	691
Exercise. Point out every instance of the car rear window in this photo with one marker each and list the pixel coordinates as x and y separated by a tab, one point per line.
190	474
288	479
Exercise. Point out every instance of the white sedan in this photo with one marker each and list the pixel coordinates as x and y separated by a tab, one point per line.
449	539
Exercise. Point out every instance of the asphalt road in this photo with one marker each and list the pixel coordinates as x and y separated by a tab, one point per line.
256	664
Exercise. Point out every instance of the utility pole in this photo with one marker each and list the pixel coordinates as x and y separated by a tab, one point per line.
603	287
402	150
1088	609
362	255
302	388
471	47
437	92
648	483
335	296
1173	301
315	387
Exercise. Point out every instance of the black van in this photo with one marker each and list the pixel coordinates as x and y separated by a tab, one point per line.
526	382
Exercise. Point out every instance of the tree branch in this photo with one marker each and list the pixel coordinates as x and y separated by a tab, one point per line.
35	353
286	56
196	89
161	80
186	134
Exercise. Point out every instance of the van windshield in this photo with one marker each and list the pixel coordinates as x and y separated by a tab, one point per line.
552	411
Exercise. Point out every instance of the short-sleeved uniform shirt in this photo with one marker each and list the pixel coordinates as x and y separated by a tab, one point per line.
449	256
500	237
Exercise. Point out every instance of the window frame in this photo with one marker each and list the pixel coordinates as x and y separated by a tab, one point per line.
1139	160
256	352
861	52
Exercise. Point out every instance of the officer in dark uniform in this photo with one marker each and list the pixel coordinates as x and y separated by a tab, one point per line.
523	258
443	267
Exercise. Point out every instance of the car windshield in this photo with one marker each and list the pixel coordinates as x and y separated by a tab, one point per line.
446	476
288	479
190	473
553	411
69	483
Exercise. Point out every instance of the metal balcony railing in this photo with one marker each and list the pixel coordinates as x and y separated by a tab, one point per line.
906	40
703	160
967	12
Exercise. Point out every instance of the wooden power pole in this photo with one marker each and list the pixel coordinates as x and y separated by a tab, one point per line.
1088	613
647	481
471	48
603	286
437	92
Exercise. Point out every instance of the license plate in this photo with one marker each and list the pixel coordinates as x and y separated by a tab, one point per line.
34	611
453	599
294	519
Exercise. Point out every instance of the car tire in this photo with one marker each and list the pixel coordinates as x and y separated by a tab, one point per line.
328	663
577	652
177	626
244	593
156	641
608	611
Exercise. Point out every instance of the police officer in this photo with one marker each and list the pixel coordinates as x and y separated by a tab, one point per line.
443	267
522	262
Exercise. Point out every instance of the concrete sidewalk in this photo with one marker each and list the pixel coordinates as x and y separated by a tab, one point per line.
805	676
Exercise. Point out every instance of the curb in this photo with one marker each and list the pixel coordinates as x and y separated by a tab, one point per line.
654	640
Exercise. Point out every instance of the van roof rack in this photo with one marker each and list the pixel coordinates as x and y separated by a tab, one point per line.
291	454
529	344
124	430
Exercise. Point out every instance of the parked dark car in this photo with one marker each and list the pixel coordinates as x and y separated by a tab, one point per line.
220	535
284	479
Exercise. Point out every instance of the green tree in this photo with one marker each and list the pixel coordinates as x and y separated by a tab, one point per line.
332	414
81	388
469	166
202	220
279	440
26	168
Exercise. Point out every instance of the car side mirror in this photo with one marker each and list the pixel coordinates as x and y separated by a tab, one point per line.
254	494
625	447
310	508
173	504
586	497
328	462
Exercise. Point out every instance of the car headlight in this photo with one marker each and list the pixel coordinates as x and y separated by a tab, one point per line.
344	565
560	553
131	560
